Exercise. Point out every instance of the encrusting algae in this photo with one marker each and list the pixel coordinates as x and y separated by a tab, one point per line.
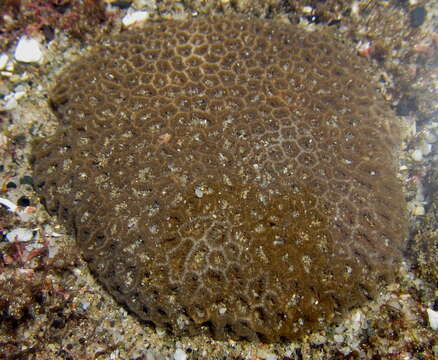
228	176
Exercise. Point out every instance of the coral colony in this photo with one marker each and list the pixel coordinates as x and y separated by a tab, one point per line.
227	176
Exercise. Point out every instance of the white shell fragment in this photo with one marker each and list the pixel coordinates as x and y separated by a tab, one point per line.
3	61
8	204
19	234
433	318
179	355
135	17
28	50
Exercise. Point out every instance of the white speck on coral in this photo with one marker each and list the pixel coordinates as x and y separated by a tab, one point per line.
135	17
433	318
28	50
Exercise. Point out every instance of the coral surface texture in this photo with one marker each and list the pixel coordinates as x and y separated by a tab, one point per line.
227	176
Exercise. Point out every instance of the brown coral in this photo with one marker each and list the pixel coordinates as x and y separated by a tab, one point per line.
226	175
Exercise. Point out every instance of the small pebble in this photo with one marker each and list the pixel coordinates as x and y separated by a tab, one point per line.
339	329
11	185
418	16
179	355
222	310
426	149
121	4
134	17
417	155
4	88
19	234
28	50
271	357
10	67
419	210
8	204
10	102
433	318
23	201
3	61
307	9
338	338
198	192
85	305
19	140
27	180
160	332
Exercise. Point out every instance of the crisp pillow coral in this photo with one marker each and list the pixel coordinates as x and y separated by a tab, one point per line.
234	176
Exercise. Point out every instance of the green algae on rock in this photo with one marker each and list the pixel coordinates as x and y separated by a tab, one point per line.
229	176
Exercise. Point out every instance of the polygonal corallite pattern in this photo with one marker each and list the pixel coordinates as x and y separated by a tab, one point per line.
227	176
